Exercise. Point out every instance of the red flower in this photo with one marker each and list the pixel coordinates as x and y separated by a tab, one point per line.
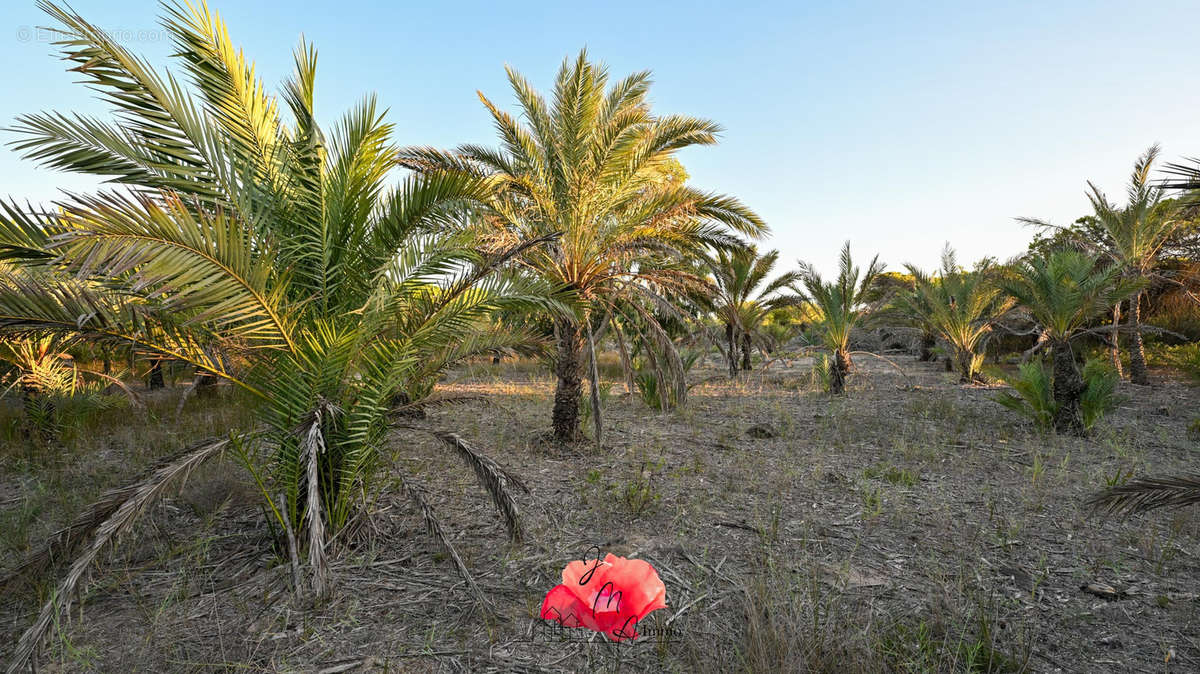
610	596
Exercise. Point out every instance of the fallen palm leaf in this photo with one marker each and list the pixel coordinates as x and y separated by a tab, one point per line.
1149	493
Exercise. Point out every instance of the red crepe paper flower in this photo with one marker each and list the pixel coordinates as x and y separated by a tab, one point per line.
609	596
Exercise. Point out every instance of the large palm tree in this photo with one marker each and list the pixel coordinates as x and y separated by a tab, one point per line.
1063	292
744	297
958	306
841	304
1132	236
270	253
595	164
1136	233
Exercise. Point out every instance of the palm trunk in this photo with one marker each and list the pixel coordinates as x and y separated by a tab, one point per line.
731	346
1067	388
206	385
745	352
965	370
1137	352
928	341
567	368
1114	344
155	376
594	385
839	367
626	365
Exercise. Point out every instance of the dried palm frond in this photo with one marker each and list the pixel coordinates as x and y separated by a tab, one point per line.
64	541
491	475
406	408
1148	493
434	527
311	447
138	499
134	399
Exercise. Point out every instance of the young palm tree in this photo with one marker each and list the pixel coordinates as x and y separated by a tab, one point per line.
1063	292
270	254
841	304
959	307
742	301
1133	236
595	164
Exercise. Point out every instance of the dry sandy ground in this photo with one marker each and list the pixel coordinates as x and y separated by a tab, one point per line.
912	525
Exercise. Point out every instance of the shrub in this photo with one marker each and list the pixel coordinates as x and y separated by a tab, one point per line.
1034	396
822	377
652	386
649	391
1099	392
1185	357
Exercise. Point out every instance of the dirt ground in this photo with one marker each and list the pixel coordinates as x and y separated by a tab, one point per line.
911	525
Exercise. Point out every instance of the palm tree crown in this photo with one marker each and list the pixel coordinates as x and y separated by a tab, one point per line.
959	307
596	165
743	295
1065	290
840	305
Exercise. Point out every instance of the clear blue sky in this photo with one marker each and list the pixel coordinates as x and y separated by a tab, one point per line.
896	125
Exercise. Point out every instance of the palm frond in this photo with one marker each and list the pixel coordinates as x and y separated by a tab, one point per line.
1146	494
134	502
434	527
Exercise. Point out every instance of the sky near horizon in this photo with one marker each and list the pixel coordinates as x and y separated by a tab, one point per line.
895	125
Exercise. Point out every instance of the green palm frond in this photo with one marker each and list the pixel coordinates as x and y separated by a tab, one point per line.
840	303
208	267
959	307
1065	290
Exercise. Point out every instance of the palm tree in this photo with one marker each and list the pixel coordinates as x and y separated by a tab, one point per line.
1132	236
271	254
841	304
1063	292
959	307
742	301
1136	234
595	164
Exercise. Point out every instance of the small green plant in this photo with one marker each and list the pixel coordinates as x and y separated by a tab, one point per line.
822	376
639	494
1037	469
653	387
892	474
604	392
649	391
872	504
1099	391
1118	478
1034	397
